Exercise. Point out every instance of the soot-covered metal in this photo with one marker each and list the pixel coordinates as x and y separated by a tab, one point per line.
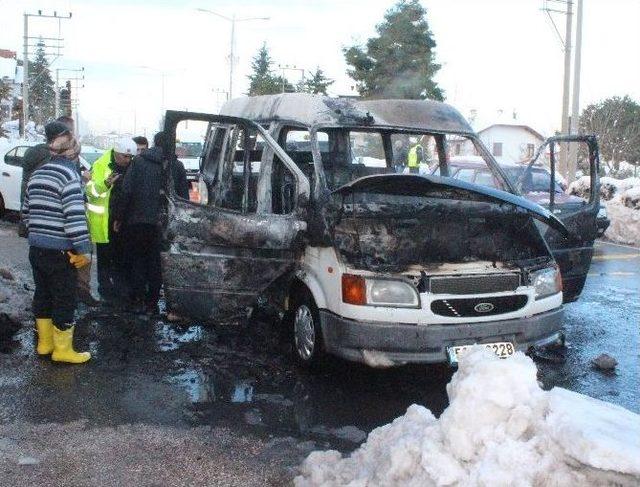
219	261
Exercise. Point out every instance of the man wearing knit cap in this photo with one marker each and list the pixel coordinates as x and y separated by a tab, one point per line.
54	213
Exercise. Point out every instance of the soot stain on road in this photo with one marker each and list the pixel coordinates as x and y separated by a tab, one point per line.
157	372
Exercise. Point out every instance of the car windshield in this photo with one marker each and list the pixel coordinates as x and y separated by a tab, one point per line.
537	180
188	149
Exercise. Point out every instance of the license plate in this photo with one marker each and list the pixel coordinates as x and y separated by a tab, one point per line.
501	349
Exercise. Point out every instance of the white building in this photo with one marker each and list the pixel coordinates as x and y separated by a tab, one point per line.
508	139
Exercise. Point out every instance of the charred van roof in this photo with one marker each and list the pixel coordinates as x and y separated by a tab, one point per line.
309	110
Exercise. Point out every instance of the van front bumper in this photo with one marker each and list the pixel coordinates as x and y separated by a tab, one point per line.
407	343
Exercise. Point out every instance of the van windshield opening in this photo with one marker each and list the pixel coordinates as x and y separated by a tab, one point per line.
348	154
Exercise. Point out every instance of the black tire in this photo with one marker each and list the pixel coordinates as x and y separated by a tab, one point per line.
2	208
305	331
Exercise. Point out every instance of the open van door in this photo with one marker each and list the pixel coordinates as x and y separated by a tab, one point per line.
243	234
573	252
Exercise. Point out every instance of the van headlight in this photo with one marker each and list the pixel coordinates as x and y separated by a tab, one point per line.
362	290
546	282
389	292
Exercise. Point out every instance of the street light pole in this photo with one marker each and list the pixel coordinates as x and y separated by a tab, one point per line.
25	77
233	19
231	53
575	108
565	129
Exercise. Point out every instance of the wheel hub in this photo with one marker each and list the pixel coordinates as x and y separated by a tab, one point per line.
304	332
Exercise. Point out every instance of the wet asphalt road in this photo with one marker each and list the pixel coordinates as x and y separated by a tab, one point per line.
152	372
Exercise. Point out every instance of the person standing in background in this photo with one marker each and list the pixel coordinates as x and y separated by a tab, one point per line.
141	142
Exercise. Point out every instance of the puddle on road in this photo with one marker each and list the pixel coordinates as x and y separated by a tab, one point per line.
171	337
339	406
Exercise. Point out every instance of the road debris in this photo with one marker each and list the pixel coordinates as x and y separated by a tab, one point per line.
604	361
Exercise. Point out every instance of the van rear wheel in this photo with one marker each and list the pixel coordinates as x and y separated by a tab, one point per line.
306	333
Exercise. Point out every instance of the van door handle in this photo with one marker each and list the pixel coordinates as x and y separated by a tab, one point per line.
6	174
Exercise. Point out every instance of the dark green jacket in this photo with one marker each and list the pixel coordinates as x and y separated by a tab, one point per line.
34	157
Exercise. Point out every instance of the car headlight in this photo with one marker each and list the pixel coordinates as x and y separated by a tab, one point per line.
602	212
546	282
362	290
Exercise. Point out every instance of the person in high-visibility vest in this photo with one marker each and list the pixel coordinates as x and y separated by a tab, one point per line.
415	158
106	173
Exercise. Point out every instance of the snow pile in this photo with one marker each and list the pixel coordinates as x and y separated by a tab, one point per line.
500	429
11	130
609	187
631	197
580	187
622	199
625	222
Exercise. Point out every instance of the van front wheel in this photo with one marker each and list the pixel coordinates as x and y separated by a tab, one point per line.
306	331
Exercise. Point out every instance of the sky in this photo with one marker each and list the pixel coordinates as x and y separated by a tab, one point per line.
495	54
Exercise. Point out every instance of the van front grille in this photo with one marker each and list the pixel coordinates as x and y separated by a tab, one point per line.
475	307
474	284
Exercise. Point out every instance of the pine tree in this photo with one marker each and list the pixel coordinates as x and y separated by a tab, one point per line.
5	90
262	81
317	84
400	61
42	97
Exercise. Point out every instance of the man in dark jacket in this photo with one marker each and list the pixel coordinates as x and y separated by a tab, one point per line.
137	216
178	172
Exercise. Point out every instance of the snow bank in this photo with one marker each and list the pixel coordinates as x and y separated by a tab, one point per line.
609	187
500	429
622	199
625	223
580	187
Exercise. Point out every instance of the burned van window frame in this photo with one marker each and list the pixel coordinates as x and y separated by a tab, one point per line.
440	151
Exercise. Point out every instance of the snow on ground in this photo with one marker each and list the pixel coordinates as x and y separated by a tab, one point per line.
622	199
500	429
12	135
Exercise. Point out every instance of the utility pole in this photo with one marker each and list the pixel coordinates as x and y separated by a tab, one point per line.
575	108
567	157
25	60
78	78
25	77
565	128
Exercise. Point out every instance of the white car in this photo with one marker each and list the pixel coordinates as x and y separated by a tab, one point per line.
11	174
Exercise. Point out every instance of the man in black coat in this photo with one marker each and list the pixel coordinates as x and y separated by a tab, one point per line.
137	216
178	172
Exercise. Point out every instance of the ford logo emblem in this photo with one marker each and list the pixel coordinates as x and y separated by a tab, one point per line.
484	307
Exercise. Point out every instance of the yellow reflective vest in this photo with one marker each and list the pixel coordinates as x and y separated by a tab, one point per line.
412	158
98	195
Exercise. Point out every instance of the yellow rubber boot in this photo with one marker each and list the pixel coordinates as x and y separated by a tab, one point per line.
63	348
44	326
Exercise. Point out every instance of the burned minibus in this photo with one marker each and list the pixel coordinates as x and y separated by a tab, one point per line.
307	203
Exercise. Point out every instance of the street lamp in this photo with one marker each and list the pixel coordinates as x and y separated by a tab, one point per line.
233	21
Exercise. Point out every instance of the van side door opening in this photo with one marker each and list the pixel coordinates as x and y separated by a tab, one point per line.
239	239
